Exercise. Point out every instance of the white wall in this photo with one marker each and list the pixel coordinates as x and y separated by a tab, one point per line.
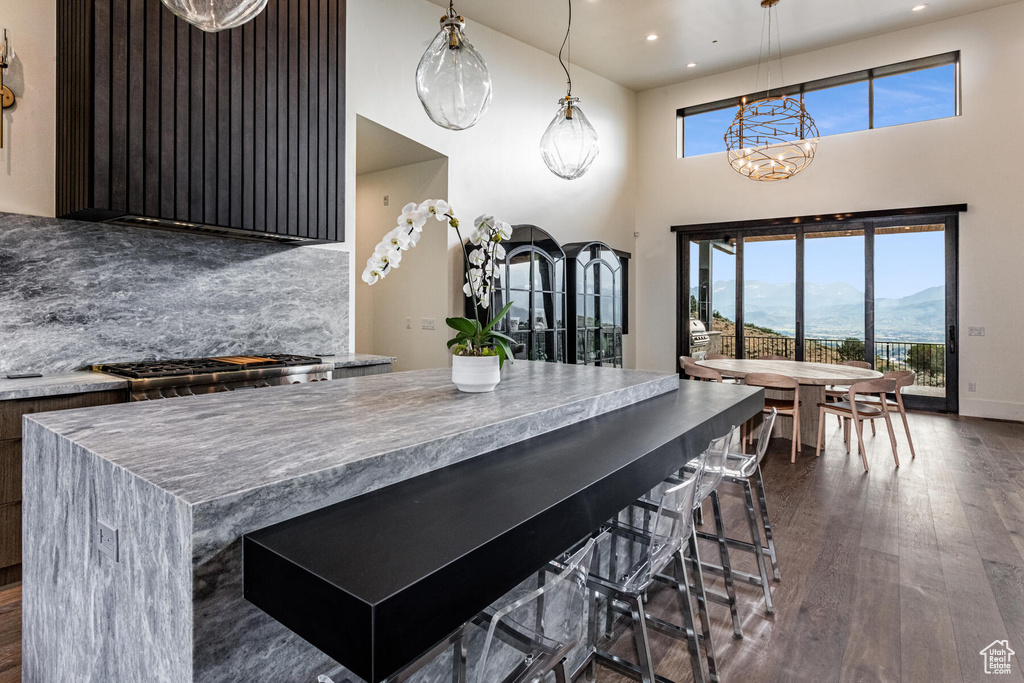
495	167
972	158
419	287
28	158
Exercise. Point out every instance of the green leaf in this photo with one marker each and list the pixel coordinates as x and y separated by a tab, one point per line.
464	325
503	352
499	335
499	316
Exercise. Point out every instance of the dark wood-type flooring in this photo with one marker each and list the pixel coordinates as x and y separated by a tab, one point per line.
894	575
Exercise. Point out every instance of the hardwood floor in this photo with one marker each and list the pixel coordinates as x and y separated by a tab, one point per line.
894	575
10	633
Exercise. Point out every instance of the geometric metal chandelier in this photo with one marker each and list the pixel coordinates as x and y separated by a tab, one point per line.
772	138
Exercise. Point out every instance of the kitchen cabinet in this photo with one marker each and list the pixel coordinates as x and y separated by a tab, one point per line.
11	413
598	278
239	130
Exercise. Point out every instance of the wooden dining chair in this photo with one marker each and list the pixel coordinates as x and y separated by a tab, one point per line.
903	378
857	409
775	358
836	392
686	360
702	374
718	356
784	406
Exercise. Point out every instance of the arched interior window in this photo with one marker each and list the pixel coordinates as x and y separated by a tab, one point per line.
597	300
533	279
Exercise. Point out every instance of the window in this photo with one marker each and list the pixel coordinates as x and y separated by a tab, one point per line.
705	133
839	109
907	92
920	95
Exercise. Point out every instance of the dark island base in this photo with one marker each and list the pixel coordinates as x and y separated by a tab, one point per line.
376	580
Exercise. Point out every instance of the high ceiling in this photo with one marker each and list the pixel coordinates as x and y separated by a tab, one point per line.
609	37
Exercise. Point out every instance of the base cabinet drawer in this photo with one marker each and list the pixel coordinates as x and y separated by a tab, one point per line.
10	534
10	471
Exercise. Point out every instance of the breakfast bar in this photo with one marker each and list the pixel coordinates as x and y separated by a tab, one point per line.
130	501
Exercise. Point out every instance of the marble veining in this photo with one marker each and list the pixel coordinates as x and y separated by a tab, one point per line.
202	448
74	293
240	462
59	385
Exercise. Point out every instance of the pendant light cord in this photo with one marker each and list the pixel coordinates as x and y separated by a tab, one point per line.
565	40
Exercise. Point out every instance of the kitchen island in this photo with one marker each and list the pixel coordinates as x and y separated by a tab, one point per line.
181	481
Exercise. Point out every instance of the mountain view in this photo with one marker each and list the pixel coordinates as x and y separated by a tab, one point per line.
836	310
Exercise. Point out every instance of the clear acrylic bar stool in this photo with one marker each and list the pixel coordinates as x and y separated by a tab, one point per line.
739	469
656	545
522	638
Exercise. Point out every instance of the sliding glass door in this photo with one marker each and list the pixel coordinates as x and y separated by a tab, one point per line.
880	290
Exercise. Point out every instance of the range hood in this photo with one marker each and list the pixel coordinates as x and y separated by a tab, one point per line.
239	133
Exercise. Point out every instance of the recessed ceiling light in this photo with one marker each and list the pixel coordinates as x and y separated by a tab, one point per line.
918	8
653	36
691	65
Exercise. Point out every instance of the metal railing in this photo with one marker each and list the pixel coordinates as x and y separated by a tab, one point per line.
926	359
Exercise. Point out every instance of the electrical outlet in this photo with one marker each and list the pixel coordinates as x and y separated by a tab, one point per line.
975	331
971	386
427	323
408	323
106	540
387	200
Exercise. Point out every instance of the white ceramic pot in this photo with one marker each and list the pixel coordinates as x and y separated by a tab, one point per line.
476	374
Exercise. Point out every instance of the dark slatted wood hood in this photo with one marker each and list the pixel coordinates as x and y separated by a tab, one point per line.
162	124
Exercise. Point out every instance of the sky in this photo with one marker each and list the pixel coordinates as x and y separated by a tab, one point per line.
904	98
904	263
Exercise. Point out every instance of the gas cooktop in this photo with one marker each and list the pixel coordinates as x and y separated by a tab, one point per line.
202	366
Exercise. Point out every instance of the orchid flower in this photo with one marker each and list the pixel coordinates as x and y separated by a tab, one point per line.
412	217
435	207
400	238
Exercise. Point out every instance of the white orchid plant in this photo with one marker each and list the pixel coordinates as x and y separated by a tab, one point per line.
472	338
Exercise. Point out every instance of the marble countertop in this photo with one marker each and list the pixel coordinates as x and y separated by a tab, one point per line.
204	448
80	382
355	360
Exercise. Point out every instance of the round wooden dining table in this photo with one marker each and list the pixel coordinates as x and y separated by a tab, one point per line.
813	378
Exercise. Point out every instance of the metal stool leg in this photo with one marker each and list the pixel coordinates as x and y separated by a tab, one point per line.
762	499
723	549
686	607
702	607
755	535
643	641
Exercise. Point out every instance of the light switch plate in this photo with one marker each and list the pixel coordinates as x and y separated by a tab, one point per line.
975	331
971	386
427	323
106	540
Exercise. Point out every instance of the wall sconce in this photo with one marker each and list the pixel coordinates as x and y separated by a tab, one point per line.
8	96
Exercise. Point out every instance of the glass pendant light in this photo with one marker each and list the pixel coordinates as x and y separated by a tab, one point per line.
452	79
216	15
773	138
569	145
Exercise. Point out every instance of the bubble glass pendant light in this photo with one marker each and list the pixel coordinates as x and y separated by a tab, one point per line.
569	145
773	138
216	15
452	79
